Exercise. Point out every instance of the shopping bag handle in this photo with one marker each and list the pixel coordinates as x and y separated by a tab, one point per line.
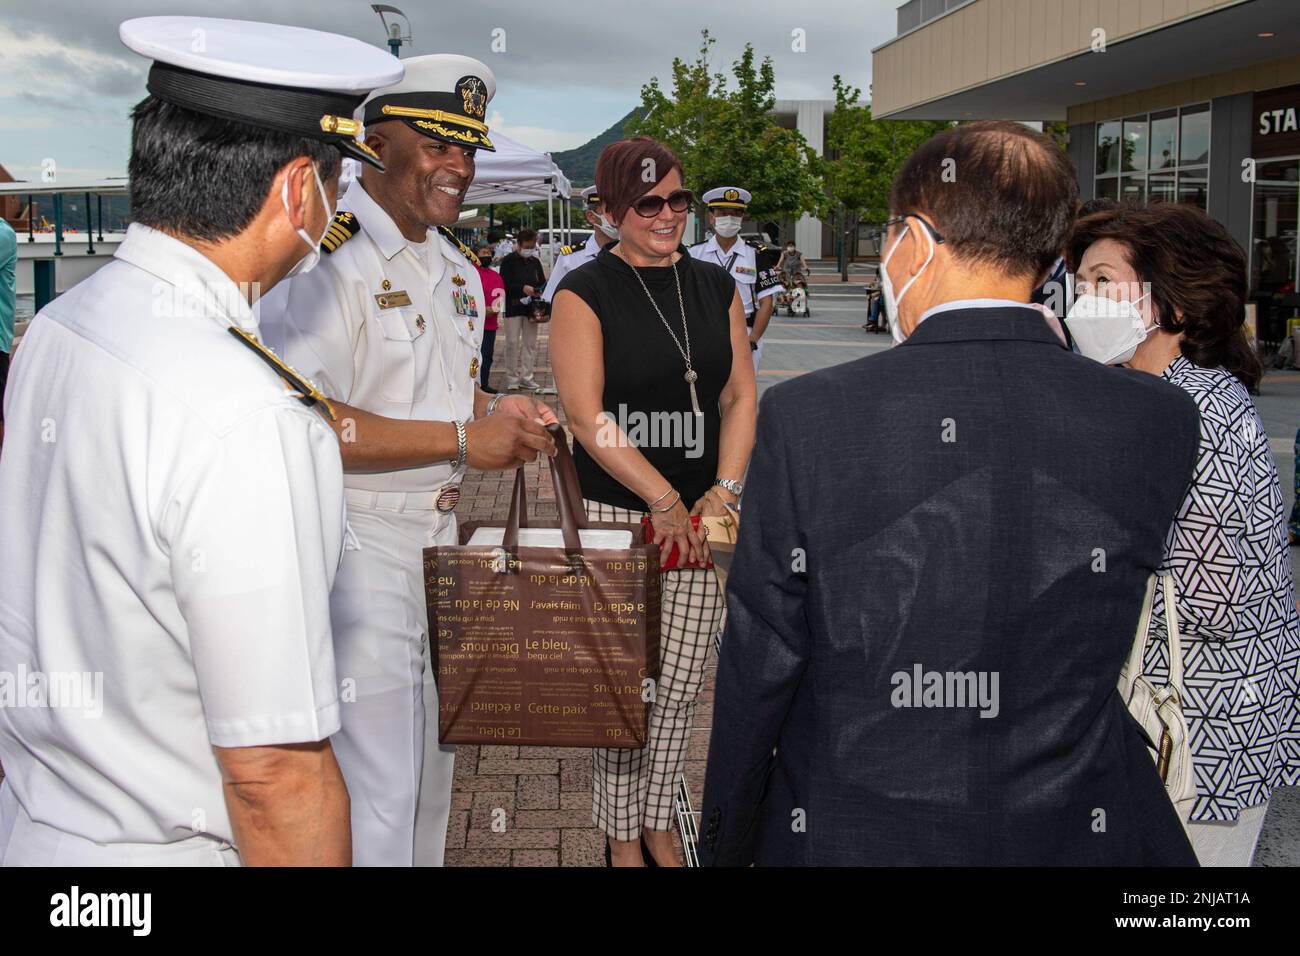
568	497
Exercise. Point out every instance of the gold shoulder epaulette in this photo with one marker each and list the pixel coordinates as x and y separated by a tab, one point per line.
343	228
305	391
566	250
756	244
465	250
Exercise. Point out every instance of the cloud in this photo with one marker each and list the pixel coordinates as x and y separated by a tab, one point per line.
538	137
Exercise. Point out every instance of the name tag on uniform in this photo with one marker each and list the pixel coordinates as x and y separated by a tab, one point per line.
391	300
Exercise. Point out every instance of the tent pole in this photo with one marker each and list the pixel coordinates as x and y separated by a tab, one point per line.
550	222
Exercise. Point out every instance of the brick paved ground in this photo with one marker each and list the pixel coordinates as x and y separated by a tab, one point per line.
541	794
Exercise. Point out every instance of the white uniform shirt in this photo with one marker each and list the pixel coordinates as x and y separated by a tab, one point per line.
348	326
741	260
173	520
567	263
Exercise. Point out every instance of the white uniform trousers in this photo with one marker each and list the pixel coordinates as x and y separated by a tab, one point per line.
398	778
26	842
521	348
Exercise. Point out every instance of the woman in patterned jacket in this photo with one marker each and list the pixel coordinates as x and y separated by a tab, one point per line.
1185	277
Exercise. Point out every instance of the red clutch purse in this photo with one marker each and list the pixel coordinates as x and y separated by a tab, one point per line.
673	562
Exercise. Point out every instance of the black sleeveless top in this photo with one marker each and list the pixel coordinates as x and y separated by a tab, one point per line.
645	391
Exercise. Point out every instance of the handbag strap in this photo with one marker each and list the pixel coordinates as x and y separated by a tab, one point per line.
1138	652
568	498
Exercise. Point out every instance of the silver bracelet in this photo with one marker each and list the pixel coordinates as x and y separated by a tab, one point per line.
494	401
462	445
669	507
651	504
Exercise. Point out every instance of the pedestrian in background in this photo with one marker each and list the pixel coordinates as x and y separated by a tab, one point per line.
524	279
494	295
1152	307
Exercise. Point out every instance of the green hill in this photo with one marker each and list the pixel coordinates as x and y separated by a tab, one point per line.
579	163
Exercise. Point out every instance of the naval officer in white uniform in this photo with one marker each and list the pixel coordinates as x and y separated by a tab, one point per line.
752	264
603	233
172	496
390	326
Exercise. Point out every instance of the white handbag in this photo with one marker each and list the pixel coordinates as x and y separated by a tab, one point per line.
1160	709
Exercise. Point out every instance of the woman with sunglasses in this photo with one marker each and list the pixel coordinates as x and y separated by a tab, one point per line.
652	360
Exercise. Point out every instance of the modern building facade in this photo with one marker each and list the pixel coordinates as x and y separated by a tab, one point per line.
1165	101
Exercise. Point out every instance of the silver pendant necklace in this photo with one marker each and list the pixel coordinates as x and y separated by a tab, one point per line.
691	377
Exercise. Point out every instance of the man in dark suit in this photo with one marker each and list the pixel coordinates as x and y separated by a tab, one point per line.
925	629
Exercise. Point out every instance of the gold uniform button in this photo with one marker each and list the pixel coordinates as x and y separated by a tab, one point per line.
387	285
473	368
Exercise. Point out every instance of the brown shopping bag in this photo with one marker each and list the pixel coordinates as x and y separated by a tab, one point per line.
545	645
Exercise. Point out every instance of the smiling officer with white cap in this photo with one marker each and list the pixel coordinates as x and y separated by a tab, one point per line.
170	492
390	325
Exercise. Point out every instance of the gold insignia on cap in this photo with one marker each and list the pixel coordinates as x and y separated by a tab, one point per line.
473	94
339	124
731	195
438	116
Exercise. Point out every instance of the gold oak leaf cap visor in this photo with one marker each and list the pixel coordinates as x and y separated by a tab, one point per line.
443	96
299	81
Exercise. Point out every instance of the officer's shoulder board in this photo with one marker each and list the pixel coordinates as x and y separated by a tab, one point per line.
567	250
465	250
342	228
303	389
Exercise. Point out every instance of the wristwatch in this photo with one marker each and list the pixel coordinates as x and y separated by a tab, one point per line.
731	485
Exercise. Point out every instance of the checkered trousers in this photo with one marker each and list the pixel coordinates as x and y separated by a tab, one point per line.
633	789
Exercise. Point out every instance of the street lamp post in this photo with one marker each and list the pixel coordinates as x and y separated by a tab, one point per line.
393	31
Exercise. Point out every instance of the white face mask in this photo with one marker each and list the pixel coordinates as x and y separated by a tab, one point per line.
727	226
529	253
1107	330
606	227
307	262
887	284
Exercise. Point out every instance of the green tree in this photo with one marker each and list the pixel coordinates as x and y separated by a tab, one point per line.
727	136
862	157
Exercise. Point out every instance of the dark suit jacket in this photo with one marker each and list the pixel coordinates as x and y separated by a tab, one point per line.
976	502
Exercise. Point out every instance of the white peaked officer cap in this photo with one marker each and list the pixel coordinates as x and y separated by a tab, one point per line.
443	96
590	196
726	197
291	79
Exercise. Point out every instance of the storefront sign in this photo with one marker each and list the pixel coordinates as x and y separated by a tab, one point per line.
1277	123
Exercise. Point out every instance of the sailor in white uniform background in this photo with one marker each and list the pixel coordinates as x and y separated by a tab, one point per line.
603	233
752	264
171	495
390	327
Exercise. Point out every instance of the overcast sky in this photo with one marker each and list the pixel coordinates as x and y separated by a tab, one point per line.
570	68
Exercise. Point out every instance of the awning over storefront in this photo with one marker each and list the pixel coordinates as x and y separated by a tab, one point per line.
1219	39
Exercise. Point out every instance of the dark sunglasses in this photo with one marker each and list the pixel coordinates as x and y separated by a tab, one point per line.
647	207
